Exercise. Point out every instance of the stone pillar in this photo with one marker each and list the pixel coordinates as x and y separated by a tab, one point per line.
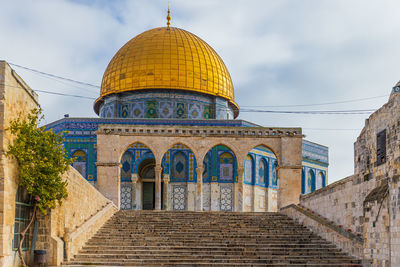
108	181
134	184
289	171
253	198
215	197
158	170
191	196
165	192
139	195
289	185
239	190
199	189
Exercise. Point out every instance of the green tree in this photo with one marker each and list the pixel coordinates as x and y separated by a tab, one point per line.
42	160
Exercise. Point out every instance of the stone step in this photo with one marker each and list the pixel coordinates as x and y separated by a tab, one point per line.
196	262
214	247
224	243
208	254
197	242
164	238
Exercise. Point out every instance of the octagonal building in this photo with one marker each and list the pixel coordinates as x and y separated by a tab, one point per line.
167	136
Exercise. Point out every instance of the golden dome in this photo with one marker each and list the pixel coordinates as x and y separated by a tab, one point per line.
167	58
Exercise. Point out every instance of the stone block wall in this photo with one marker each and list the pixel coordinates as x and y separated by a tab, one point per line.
344	198
259	199
393	210
377	227
75	221
348	242
368	203
15	98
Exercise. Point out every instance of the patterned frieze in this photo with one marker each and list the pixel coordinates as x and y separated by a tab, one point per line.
165	105
315	152
251	132
81	126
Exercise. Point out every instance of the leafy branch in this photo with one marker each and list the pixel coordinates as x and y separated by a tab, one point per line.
42	160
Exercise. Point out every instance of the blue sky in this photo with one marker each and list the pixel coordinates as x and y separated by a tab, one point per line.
278	53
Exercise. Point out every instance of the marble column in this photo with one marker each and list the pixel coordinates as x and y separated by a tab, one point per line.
139	195
165	205
158	170
239	190
199	189
134	184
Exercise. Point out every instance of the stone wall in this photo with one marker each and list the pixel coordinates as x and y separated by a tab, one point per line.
344	197
368	203
348	242
15	97
75	221
259	199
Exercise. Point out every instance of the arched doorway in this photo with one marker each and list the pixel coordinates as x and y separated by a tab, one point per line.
137	178
146	174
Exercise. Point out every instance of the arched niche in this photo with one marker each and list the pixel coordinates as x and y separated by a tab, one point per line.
320	180
263	172
310	181
263	164
132	157
80	161
249	167
179	164
220	165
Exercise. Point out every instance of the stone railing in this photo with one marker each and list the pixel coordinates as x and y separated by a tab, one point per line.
198	131
344	239
65	229
75	240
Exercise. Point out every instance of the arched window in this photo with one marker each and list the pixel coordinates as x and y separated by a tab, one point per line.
126	168
320	181
310	181
226	167
275	173
263	172
248	169
303	182
207	168
79	163
23	210
179	166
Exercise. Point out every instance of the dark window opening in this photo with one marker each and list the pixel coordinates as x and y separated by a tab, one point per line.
381	147
23	209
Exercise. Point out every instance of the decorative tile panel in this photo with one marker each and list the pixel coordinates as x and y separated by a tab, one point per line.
207	112
151	109
180	111
124	111
166	109
226	198
195	111
179	197
137	110
126	196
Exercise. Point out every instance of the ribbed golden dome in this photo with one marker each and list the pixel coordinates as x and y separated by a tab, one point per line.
167	58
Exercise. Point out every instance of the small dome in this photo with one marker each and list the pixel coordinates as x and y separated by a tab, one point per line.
167	58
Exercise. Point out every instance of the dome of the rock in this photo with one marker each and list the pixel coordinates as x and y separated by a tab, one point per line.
168	59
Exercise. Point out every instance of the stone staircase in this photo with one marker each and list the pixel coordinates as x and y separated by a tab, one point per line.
166	238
